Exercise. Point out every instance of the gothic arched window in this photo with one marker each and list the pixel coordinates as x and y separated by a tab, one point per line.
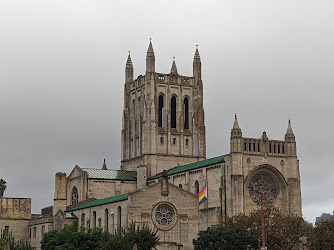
196	187
119	219
94	220
173	112
74	195
186	113
106	220
161	111
83	220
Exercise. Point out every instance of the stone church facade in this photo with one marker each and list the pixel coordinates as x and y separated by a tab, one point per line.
164	166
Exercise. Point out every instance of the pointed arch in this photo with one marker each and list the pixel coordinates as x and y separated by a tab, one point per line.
106	220
119	219
161	111
186	113
173	112
196	188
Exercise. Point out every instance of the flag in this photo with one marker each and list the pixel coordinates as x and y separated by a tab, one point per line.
203	195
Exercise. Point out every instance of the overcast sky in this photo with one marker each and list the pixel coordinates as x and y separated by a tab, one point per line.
62	75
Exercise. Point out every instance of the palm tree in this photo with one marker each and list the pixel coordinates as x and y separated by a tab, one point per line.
2	187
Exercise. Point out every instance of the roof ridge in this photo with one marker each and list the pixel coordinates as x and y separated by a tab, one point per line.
191	166
102	201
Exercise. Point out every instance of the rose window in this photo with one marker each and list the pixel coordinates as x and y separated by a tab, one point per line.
164	215
262	185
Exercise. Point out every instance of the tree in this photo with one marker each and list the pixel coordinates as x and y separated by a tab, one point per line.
3	187
225	239
323	235
144	237
70	239
282	231
10	242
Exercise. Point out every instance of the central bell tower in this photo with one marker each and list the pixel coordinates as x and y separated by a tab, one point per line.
163	117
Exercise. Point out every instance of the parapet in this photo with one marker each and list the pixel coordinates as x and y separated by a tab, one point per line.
15	208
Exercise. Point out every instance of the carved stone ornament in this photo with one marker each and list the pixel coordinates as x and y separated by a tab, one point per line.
262	184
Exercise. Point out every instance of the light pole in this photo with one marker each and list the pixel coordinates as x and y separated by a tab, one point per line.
262	196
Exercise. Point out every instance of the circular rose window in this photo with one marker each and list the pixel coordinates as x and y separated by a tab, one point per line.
164	216
262	185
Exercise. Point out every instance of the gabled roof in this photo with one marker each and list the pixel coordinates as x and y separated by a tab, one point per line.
191	166
110	174
99	202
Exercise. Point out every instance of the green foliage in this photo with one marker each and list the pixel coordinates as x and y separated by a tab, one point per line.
225	239
70	238
323	235
9	240
3	187
281	231
144	237
87	239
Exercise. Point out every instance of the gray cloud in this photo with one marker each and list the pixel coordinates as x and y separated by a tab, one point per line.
62	74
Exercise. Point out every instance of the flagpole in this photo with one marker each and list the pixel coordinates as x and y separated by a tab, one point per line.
207	205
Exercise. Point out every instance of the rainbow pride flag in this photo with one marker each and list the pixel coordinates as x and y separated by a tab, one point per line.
203	195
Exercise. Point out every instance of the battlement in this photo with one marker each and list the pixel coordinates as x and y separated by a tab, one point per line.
15	208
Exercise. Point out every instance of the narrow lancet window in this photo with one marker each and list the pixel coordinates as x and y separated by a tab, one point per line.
186	113
161	111
173	112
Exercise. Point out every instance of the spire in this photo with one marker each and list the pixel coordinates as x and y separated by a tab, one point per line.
150	58
236	124
173	70
289	135
197	65
236	130
197	57
129	70
289	130
129	61
104	167
150	47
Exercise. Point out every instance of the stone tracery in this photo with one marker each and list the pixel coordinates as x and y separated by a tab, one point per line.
264	185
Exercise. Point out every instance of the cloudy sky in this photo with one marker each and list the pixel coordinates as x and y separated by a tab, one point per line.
62	75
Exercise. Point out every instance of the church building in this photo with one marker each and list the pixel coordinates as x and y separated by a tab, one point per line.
164	166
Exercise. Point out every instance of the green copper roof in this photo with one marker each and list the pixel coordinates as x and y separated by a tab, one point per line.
192	166
99	202
110	174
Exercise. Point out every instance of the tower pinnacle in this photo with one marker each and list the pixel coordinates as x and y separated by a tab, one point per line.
236	130
174	68
197	68
104	167
289	135
150	58
236	124
129	70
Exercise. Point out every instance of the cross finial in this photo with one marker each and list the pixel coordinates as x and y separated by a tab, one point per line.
173	58
150	39
196	46
129	52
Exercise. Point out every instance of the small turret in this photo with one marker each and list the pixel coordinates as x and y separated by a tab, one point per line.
236	137
197	71
236	130
290	141
173	70
129	70
289	135
104	167
150	59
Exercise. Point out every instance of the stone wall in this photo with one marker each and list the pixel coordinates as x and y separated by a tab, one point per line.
37	227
